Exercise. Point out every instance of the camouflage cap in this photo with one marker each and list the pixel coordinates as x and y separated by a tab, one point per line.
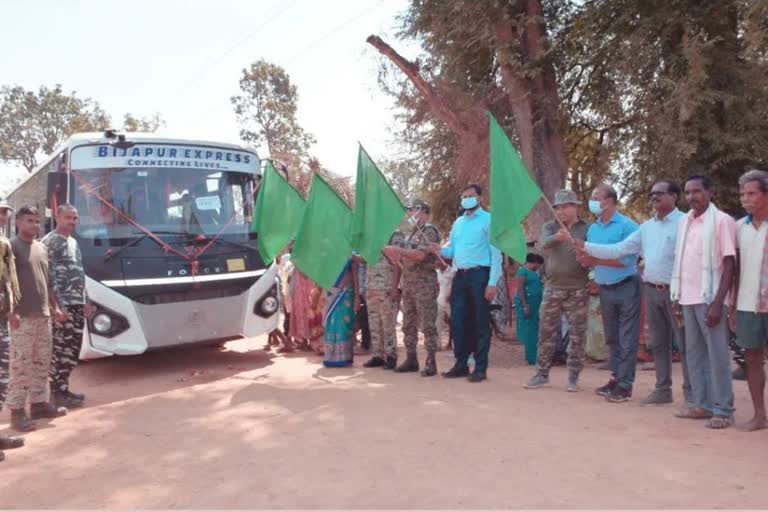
421	205
565	196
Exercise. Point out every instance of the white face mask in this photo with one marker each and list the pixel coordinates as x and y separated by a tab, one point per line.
413	220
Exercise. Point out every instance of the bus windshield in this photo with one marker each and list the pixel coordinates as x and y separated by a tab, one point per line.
165	200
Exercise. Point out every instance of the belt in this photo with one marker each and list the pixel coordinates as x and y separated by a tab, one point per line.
470	269
659	286
616	285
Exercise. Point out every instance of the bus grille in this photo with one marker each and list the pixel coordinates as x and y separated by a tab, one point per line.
189	295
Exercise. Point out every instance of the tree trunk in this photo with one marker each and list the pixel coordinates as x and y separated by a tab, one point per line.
534	101
468	124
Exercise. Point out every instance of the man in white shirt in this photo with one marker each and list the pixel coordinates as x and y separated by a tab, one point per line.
749	317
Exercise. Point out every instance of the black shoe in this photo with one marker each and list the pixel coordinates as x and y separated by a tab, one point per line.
619	394
477	376
390	363
605	390
20	422
45	410
374	362
430	367
67	400
9	443
456	372
76	396
411	364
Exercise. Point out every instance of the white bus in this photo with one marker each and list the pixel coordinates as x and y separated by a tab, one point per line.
165	230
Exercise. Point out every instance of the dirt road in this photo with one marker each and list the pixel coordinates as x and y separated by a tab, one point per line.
203	428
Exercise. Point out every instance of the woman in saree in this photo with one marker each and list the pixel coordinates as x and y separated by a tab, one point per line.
341	303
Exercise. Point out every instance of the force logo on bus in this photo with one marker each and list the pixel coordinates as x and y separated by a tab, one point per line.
147	155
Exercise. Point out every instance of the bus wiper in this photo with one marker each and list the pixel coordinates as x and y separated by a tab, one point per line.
112	254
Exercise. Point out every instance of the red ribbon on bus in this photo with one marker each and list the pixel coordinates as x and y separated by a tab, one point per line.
192	257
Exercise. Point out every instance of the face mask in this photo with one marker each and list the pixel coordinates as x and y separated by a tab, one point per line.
413	220
468	202
594	207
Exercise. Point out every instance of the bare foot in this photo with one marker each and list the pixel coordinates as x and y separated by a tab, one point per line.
756	423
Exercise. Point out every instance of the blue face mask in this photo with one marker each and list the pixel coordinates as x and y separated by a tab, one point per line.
468	202
594	207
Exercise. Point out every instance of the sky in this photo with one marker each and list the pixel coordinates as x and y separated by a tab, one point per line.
183	59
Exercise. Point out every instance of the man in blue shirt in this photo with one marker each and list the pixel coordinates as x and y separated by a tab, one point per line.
655	242
619	293
478	268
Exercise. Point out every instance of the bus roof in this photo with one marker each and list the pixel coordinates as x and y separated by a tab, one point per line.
78	139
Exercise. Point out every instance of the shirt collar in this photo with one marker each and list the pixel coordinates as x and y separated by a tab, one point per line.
478	212
670	216
611	220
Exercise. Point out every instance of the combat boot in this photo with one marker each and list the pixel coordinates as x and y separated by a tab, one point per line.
411	364
20	422
9	443
430	366
67	399
390	363
46	410
374	362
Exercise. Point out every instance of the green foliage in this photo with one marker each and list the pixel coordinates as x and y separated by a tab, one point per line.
35	123
142	124
647	88
266	111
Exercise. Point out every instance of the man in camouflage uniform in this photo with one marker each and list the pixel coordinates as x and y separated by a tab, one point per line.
67	279
420	289
382	297
9	296
30	322
565	292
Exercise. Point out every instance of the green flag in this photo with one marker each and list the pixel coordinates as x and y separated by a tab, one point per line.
378	210
513	194
277	213
322	245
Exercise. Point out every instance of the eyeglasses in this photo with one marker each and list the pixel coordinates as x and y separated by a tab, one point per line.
657	193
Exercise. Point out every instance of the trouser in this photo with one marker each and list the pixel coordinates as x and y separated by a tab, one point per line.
555	302
620	305
469	307
286	324
67	342
364	323
662	333
30	360
5	347
420	313
709	361
382	317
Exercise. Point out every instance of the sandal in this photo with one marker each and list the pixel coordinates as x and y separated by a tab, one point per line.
693	413
720	422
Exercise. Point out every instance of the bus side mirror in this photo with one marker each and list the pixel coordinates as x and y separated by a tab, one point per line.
57	189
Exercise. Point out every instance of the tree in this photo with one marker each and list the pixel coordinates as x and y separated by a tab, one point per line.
486	56
671	87
266	111
142	124
32	123
35	123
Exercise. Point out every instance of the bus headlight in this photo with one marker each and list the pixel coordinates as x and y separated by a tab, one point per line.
106	322
102	323
269	305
